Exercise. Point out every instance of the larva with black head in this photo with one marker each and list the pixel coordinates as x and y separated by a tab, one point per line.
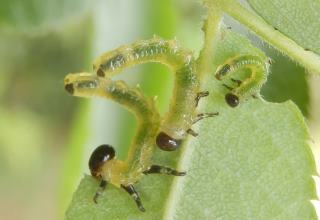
250	86
103	163
177	122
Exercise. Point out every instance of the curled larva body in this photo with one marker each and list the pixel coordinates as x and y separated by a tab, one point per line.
181	114
251	85
103	164
116	171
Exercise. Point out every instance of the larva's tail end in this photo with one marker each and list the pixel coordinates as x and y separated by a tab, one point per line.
69	88
82	84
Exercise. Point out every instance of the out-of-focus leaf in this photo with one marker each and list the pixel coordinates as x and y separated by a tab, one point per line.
72	163
287	81
250	162
34	67
31	14
297	19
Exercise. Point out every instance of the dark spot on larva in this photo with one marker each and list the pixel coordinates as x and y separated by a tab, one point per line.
223	71
99	156
275	28
167	143
307	49
232	100
100	72
229	28
69	88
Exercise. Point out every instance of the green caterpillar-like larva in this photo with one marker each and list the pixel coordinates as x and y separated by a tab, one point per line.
177	122
103	164
259	70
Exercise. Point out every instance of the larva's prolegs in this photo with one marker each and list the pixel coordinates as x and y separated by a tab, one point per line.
133	193
157	169
248	87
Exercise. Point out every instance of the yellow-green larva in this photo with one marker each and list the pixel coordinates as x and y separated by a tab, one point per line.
251	85
103	164
177	122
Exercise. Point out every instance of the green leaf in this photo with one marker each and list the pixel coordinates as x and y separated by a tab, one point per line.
297	19
250	162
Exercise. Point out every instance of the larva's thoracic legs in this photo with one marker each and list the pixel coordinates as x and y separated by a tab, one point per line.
133	193
157	169
192	132
102	187
204	115
228	87
236	81
201	95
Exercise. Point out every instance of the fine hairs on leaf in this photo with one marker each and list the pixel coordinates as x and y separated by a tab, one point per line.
252	161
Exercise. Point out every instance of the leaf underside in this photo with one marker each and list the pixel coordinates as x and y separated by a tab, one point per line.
250	162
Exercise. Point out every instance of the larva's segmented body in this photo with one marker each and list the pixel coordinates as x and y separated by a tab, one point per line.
250	86
103	164
181	114
139	157
168	132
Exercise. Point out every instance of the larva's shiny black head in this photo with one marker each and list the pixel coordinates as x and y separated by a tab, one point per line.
100	72
232	100
69	88
167	143
99	156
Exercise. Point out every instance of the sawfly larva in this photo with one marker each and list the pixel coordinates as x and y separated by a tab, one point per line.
177	122
103	164
251	85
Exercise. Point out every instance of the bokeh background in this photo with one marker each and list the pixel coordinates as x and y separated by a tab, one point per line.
46	136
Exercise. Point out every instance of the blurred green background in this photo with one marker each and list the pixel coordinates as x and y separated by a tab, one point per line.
46	136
